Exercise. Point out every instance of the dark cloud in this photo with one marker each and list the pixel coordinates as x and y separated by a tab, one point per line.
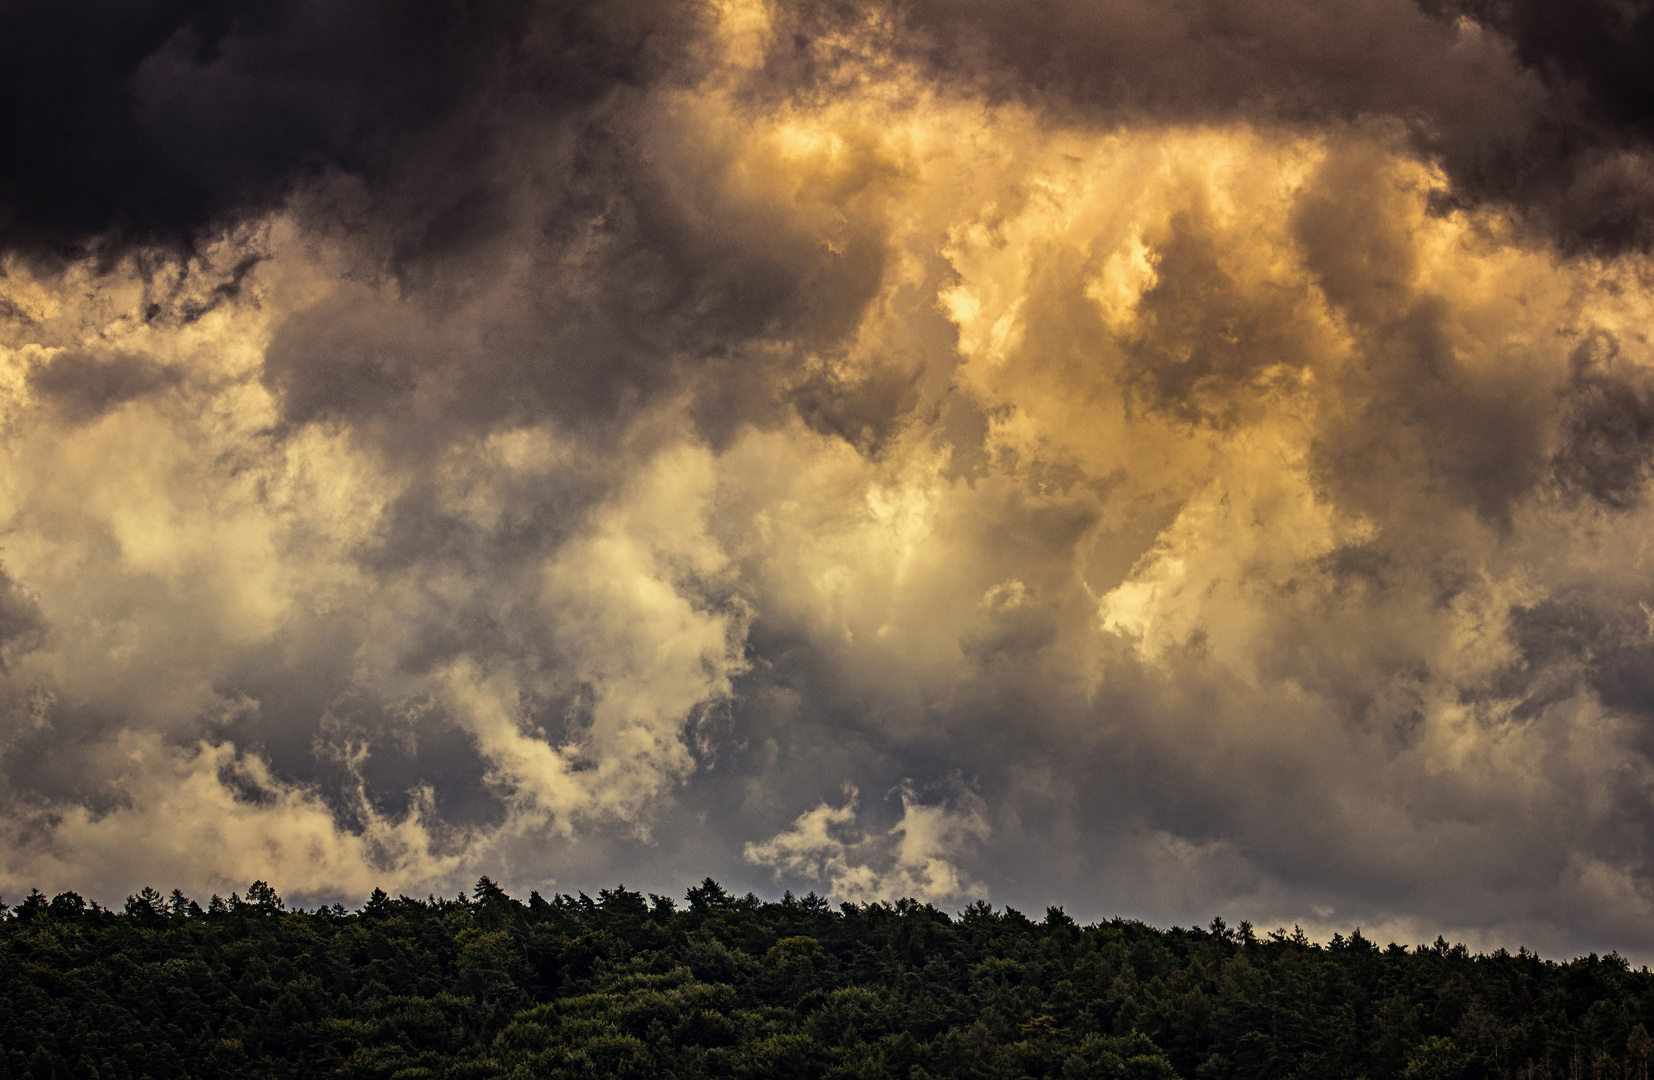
1538	106
1599	44
863	411
1608	426
134	124
82	387
1422	389
128	125
21	624
1600	642
1206	348
598	283
1586	166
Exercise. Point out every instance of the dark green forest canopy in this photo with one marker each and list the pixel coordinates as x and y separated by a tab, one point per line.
627	985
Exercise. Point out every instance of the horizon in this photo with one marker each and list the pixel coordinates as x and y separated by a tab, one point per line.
1241	932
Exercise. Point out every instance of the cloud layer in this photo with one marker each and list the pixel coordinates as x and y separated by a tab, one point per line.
1169	460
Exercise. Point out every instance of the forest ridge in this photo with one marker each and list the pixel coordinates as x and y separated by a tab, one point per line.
626	985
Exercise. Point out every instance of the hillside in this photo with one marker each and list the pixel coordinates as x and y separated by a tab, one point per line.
627	985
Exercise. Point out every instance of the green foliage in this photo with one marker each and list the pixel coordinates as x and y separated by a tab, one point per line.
1436	1058
485	986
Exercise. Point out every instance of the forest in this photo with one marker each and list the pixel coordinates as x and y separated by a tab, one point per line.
625	985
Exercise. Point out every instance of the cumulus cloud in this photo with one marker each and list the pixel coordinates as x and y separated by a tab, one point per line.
917	857
205	815
1195	457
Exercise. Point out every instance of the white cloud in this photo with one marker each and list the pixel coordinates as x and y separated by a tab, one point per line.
209	818
918	857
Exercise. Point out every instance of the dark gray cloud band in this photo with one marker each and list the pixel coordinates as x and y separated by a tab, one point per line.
132	125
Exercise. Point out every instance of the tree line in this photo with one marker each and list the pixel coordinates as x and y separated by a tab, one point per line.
625	985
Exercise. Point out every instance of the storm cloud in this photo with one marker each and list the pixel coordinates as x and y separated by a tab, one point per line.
1160	459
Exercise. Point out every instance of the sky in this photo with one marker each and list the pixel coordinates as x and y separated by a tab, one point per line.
1162	458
